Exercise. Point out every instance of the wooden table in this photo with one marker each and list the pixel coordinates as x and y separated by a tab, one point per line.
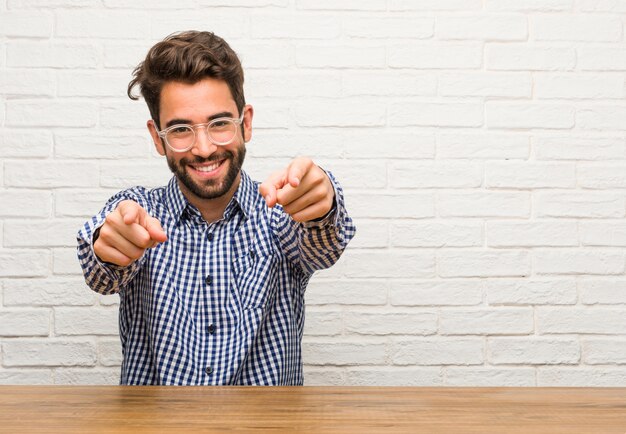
128	409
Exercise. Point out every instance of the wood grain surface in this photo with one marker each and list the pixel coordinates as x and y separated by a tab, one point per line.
139	409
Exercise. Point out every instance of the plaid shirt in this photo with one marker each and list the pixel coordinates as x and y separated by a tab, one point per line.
218	303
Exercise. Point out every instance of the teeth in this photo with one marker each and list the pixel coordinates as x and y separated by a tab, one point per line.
207	168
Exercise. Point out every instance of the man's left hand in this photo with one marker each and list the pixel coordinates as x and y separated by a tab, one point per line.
303	189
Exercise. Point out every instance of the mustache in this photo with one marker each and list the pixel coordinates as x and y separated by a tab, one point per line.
199	160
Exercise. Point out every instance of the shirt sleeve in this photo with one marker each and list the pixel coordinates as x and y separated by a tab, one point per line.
317	244
103	277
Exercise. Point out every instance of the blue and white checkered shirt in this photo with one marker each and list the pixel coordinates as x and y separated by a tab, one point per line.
218	303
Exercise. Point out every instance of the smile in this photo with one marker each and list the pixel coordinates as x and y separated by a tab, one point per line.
209	168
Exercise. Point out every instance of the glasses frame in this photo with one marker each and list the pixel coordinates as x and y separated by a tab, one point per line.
163	133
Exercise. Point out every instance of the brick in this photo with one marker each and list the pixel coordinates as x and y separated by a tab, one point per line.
436	114
123	114
601	117
524	57
570	261
439	351
530	175
51	55
340	56
309	26
598	320
394	264
529	115
498	321
49	233
483	263
360	5
529	5
489	377
109	83
24	263
581	377
389	83
578	85
123	55
435	5
65	261
25	203
603	291
27	82
278	55
340	113
371	234
24	322
106	146
489	27
389	27
579	147
601	58
323	323
108	300
26	24
601	6
272	114
488	204
26	377
288	84
53	113
51	174
601	176
585	28
391	323
229	23
390	205
52	4
17	143
346	292
435	175
603	234
109	352
531	292
48	352
147	4
48	292
436	293
97	376
324	376
85	321
344	352
394	376
502	84
119	175
582	205
531	234
80	203
111	25
533	351
404	145
604	351
272	144
485	145
435	234
440	55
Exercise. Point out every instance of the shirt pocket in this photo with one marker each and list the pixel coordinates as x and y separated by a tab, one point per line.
255	278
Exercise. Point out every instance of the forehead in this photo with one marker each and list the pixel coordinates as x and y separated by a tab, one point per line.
196	100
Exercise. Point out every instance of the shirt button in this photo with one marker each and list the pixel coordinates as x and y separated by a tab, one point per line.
210	236
211	329
208	280
208	370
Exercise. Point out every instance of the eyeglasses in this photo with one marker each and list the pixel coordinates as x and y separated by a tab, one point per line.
182	137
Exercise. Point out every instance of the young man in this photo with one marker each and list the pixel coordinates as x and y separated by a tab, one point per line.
212	268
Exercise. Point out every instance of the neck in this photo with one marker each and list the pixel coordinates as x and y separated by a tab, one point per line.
212	210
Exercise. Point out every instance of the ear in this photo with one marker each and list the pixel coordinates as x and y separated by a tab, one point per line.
247	122
158	142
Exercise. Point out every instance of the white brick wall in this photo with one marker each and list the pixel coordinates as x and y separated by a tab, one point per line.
481	144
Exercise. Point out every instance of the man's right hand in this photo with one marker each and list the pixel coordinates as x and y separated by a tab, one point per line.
126	234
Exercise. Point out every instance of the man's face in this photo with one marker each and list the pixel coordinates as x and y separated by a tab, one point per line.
207	171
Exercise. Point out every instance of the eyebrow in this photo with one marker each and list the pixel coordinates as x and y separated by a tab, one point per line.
179	121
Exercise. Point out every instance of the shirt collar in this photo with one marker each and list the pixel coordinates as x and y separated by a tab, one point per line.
244	198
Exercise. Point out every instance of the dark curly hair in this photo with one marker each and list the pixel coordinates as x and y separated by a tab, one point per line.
187	57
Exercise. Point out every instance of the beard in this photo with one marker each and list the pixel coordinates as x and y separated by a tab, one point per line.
211	188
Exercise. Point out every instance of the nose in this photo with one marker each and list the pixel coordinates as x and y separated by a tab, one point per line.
203	147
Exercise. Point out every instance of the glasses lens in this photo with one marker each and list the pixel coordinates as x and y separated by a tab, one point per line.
181	137
222	131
